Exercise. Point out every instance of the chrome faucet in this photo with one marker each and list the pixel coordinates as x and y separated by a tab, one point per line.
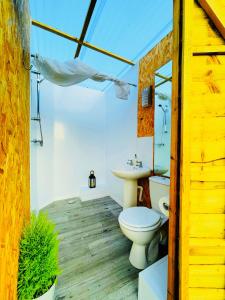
139	164
130	162
134	162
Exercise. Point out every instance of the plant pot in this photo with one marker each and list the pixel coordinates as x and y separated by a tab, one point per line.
49	295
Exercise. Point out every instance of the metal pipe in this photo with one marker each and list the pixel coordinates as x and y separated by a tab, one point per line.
38	117
76	40
164	117
132	84
35	72
38	95
41	141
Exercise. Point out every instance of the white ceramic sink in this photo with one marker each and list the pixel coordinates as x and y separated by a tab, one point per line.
130	172
130	176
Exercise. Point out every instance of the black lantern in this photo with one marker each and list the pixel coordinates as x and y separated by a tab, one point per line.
92	180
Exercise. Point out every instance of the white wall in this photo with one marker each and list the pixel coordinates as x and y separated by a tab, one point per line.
83	129
73	121
121	140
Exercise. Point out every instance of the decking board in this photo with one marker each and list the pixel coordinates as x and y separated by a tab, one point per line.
94	254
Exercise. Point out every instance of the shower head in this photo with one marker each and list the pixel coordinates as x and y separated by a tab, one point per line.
163	96
164	109
160	105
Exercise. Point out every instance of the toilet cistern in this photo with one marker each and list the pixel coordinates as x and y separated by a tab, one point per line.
130	173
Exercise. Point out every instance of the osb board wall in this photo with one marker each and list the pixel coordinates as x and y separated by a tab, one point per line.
14	139
156	58
202	197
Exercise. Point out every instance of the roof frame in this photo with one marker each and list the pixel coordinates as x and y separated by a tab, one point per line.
85	25
82	43
215	11
163	81
162	76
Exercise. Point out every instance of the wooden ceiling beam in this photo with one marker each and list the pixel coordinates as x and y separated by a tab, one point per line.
162	76
215	9
85	26
76	40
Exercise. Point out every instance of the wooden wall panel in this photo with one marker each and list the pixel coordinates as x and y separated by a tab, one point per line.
14	139
206	294
206	276
202	193
156	58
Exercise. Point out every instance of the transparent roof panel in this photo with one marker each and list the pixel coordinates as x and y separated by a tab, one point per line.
129	28
67	15
49	45
126	27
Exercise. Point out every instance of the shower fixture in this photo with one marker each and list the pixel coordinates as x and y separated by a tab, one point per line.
165	110
163	96
38	115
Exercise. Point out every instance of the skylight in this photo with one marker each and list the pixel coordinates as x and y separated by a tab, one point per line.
129	28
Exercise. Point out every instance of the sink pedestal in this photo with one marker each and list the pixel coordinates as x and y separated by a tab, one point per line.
129	193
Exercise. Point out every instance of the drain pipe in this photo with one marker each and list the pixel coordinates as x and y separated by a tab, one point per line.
140	188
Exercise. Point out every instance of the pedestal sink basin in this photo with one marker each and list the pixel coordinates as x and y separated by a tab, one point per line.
132	172
130	175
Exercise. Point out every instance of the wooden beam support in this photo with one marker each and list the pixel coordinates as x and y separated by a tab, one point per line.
163	77
163	81
215	10
85	26
76	40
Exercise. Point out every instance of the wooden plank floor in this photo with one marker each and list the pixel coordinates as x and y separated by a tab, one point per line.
94	254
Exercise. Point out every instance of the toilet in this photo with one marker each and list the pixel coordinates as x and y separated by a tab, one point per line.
142	225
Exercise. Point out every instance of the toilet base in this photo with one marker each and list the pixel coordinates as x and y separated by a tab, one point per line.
138	256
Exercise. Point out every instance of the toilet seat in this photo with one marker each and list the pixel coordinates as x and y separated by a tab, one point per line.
140	219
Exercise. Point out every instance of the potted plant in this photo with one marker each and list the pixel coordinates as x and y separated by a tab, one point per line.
38	259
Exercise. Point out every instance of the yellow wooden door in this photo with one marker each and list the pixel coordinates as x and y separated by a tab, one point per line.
202	182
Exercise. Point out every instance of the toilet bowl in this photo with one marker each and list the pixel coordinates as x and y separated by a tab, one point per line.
139	224
142	225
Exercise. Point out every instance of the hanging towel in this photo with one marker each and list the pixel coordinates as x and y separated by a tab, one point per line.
74	71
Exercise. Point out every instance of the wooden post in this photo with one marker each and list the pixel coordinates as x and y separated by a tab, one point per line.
173	283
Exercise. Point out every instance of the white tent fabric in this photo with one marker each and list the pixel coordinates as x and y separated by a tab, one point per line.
74	71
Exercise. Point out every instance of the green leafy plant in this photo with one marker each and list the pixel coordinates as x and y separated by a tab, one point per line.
38	258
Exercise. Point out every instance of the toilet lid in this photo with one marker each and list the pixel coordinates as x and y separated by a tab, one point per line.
139	217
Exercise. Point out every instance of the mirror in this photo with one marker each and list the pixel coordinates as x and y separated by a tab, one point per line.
162	120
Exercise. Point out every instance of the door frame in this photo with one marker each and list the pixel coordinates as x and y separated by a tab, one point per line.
173	235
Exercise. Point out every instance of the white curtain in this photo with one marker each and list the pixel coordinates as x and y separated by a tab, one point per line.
74	71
